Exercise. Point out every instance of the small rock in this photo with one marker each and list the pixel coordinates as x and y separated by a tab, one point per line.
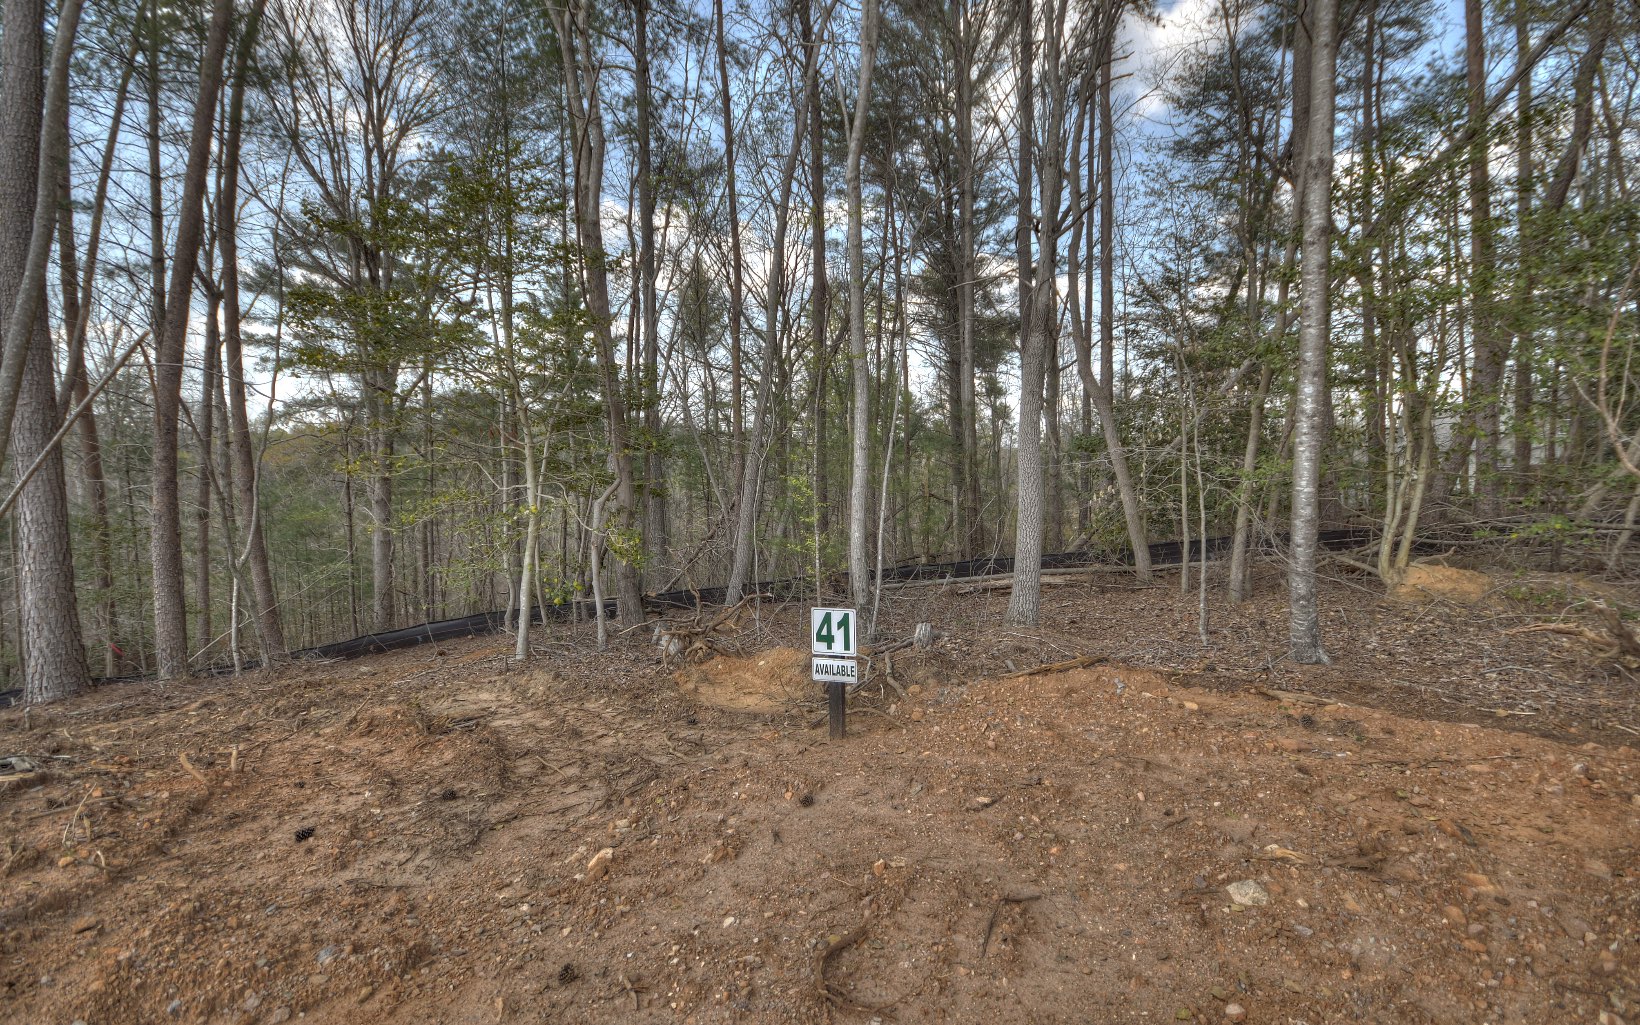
1455	915
1608	1018
327	955
279	1016
1190	706
85	924
252	1002
1248	893
1235	1012
1594	866
980	803
173	1007
1479	884
598	867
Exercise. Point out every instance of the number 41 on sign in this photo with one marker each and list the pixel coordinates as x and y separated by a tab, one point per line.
831	642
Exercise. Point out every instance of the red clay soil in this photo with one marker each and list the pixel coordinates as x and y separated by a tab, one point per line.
418	837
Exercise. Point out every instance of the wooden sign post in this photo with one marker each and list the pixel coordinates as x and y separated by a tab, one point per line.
832	643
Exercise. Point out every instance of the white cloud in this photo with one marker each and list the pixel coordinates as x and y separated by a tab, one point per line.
1156	45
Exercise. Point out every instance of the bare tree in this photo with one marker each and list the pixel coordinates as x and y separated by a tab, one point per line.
24	307
746	498
860	482
583	71
1103	391
246	469
53	655
1039	304
170	602
1316	202
1022	601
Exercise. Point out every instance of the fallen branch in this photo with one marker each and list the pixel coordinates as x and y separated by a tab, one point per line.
991	923
1296	696
682	641
1078	662
823	954
1617	641
195	773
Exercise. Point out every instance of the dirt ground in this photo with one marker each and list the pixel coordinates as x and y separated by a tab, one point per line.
1441	826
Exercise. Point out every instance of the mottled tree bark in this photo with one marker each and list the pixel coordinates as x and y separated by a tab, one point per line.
1103	392
53	656
246	472
860	419
1309	427
170	604
654	488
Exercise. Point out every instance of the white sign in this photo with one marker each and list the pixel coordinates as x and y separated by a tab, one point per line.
831	632
834	670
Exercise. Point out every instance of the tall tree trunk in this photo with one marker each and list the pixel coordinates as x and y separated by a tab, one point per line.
53	655
1026	595
970	532
246	471
860	479
24	306
1525	286
1489	345
1305	627
737	288
76	385
170	604
586	118
654	493
1104	392
820	293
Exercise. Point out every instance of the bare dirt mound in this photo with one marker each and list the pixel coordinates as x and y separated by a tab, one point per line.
416	839
1423	584
765	683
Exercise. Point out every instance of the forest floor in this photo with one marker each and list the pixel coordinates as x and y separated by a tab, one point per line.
1441	826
